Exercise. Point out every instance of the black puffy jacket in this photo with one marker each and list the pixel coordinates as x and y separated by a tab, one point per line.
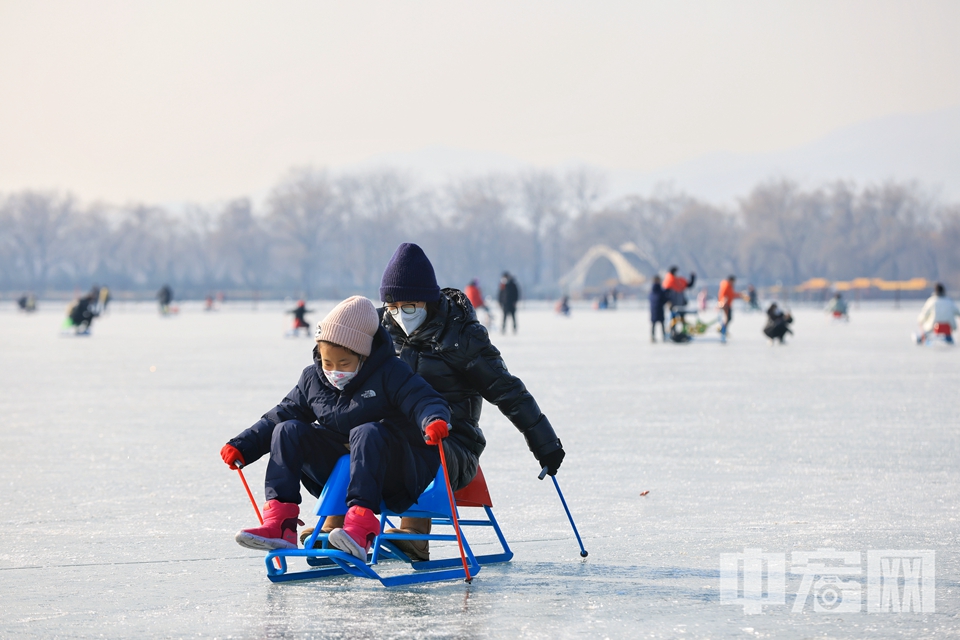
452	351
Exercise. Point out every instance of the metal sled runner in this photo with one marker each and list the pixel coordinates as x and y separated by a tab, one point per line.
433	503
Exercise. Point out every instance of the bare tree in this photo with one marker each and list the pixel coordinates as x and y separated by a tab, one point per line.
782	225
542	205
305	216
241	243
36	224
380	211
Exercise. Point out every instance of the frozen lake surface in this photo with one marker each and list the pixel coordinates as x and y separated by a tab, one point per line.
119	515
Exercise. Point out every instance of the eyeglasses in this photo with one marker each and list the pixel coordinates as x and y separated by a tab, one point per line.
395	310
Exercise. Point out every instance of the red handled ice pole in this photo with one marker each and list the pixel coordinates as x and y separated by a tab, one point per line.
250	494
453	509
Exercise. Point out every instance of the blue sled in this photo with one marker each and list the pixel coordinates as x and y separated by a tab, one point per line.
433	503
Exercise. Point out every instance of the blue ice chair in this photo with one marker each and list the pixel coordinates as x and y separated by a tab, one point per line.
433	503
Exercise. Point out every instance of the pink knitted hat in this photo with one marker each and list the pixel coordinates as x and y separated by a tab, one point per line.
351	324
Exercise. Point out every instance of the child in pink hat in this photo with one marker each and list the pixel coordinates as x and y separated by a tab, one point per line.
357	398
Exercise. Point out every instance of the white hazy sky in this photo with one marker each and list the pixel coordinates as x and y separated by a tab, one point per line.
205	100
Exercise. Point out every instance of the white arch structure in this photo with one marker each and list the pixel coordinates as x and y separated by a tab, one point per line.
627	274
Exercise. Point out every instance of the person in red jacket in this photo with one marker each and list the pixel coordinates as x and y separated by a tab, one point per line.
475	296
725	299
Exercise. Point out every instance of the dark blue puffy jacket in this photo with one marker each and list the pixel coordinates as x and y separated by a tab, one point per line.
657	299
384	390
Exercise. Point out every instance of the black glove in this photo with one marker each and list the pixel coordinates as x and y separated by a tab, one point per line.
552	461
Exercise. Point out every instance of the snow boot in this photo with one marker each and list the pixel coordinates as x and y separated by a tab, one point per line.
331	523
356	536
416	550
279	528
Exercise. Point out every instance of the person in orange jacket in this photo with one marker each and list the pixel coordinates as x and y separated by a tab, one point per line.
674	288
725	299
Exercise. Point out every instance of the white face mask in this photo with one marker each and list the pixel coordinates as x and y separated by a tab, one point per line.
410	322
340	379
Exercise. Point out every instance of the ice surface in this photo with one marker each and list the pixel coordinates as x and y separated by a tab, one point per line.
118	515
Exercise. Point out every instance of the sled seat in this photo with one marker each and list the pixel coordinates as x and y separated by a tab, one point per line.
433	503
942	329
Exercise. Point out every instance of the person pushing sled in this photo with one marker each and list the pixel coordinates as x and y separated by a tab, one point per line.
358	398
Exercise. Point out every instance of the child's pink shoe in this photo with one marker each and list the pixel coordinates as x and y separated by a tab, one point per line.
360	527
279	528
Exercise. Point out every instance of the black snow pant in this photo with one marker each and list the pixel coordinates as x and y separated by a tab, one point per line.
653	330
510	312
384	465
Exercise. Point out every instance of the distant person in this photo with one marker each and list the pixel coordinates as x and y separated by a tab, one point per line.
82	313
164	298
475	296
752	301
657	300
702	297
563	306
937	317
27	303
778	323
837	307
614	295
508	297
300	318
602	303
675	288
104	299
725	299
208	303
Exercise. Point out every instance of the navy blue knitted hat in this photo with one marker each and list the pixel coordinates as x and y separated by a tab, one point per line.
409	277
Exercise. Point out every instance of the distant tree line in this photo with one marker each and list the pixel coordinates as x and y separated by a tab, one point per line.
323	235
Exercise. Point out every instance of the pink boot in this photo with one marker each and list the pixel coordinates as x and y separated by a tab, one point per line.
360	527
279	528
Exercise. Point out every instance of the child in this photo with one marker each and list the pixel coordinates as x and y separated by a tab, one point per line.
300	318
356	398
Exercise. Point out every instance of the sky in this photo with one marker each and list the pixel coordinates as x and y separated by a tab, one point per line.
205	100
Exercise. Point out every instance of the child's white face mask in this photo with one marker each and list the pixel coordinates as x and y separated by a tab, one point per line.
341	379
410	322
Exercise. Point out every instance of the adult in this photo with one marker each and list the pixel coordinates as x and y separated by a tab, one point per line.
164	298
475	295
675	286
27	302
657	300
82	314
938	316
508	296
725	299
778	323
436	332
